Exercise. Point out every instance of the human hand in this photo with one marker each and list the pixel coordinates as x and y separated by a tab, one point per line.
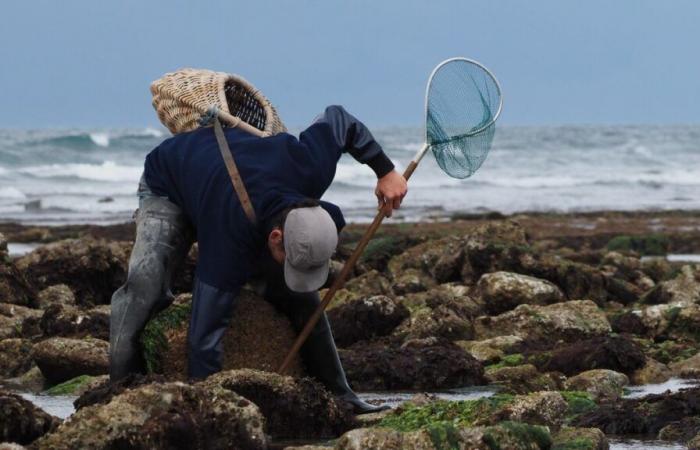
390	191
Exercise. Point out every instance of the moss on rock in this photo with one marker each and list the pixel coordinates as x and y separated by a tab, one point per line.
70	387
258	338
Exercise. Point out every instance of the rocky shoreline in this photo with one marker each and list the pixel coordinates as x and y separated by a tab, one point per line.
560	314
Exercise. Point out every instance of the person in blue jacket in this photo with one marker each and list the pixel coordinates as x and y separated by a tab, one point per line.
186	194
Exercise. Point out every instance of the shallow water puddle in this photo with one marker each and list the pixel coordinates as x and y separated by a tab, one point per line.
633	444
394	399
56	405
17	249
676	257
673	385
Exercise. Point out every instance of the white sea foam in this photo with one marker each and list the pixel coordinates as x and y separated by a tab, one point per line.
12	193
107	171
100	139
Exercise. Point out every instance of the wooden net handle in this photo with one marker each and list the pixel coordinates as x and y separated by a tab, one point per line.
340	280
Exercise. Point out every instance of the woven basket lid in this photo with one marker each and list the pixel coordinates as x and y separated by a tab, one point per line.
182	97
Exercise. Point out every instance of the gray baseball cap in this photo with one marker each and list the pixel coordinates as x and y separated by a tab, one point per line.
310	238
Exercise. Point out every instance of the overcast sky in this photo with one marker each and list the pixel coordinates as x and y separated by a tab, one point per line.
88	63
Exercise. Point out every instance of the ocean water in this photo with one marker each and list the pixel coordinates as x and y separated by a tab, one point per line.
77	176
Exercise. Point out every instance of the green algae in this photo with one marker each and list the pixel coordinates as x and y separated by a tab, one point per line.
154	341
651	244
460	413
71	386
578	403
516	435
513	360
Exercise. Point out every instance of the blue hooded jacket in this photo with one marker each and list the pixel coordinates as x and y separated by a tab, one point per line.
278	171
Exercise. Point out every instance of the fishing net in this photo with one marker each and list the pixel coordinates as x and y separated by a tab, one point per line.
463	102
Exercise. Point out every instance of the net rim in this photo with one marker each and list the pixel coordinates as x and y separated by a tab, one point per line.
488	72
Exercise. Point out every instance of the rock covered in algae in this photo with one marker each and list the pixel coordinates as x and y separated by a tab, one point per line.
503	291
567	321
163	416
572	438
365	318
602	384
617	353
258	338
61	359
506	435
293	407
12	318
644	416
15	357
14	287
429	363
93	269
21	421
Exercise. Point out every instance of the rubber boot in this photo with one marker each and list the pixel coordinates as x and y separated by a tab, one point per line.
321	359
318	353
162	242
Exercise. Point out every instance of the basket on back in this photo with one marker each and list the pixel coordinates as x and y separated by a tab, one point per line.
181	98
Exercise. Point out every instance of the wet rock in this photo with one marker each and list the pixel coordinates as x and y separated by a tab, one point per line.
61	359
520	379
3	247
452	295
622	290
645	416
369	284
568	321
652	372
421	266
14	287
31	381
539	408
12	317
684	289
658	269
672	321
293	408
602	384
412	280
491	350
22	422
503	291
687	368
258	337
65	320
572	438
365	319
93	269
78	385
56	294
610	352
444	321
681	431
508	435
102	392
694	444
164	416
418	364
15	357
381	249
628	322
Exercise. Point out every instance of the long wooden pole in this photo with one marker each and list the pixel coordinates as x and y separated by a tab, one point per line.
347	268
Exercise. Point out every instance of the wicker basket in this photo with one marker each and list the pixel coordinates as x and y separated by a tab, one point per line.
181	98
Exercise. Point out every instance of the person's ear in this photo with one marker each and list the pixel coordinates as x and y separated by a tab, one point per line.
275	237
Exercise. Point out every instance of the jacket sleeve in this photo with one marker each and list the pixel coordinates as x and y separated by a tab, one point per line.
336	131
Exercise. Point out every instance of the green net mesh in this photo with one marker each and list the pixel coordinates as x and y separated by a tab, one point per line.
463	99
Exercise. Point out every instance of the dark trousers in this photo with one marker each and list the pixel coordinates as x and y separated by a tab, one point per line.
163	238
